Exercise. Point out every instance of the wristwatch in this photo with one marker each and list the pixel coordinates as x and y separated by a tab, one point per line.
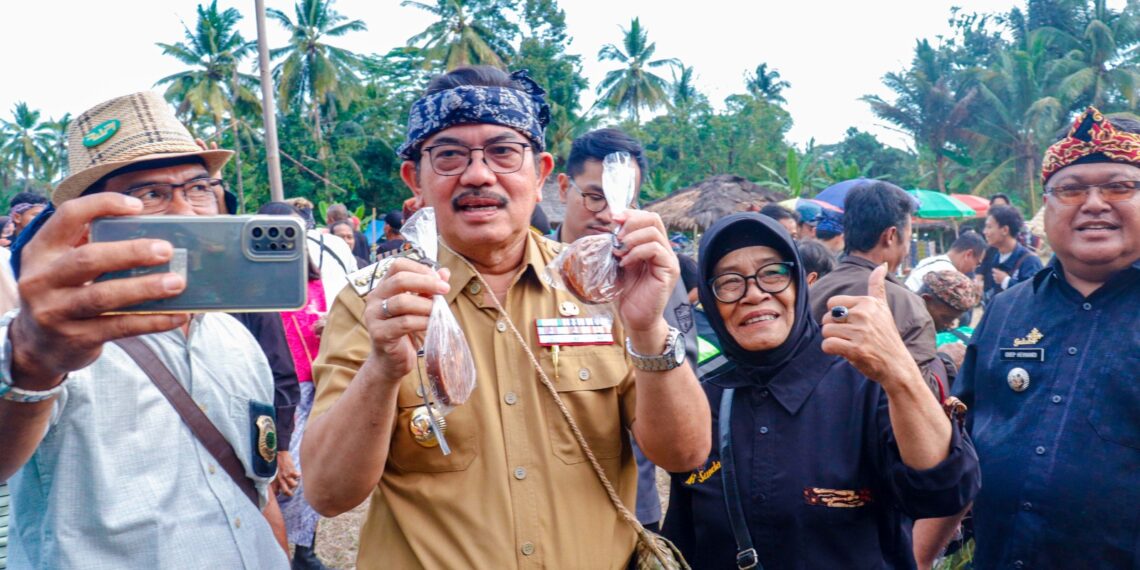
672	357
8	391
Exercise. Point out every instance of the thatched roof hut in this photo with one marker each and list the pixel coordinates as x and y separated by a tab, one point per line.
697	207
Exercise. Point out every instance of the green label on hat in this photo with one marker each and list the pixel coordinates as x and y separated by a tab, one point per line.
101	133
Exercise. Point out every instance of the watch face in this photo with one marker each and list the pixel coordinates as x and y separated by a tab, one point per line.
679	348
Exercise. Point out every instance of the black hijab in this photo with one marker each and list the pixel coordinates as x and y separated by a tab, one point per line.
745	230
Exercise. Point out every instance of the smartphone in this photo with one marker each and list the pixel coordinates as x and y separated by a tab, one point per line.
230	263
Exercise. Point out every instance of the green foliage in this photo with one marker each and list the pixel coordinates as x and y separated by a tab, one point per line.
466	32
629	88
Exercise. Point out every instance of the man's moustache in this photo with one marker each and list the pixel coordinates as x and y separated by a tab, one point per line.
500	200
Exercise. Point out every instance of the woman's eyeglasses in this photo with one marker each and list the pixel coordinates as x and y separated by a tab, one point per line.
772	278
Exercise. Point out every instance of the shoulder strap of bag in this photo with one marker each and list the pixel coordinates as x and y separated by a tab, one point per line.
195	419
327	249
746	556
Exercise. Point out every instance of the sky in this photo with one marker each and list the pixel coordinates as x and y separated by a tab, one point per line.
67	56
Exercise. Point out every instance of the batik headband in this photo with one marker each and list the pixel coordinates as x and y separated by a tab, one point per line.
1091	136
522	109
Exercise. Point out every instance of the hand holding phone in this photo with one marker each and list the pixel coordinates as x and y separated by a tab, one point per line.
62	324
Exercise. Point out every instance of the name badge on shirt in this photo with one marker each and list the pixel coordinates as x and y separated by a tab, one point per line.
589	331
1022	354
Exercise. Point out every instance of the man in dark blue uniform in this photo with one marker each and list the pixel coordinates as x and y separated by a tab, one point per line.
1051	374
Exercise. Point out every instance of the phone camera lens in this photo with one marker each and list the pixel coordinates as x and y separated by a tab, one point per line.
256	232
273	232
272	246
290	232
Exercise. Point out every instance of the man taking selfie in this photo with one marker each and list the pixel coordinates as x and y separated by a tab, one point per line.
104	471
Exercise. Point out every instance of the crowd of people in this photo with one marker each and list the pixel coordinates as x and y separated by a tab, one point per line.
818	400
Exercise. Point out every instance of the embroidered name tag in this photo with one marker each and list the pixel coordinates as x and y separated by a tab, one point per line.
574	332
837	498
1022	354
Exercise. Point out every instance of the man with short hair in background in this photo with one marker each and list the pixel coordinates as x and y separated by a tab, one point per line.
393	242
964	256
1007	262
588	213
339	213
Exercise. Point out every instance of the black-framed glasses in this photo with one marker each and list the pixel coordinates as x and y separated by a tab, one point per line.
772	278
199	193
451	159
596	202
1073	194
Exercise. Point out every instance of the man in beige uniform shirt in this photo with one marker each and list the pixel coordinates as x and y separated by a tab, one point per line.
516	491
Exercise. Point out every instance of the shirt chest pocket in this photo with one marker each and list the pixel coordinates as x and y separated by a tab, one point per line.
408	454
588	381
1116	400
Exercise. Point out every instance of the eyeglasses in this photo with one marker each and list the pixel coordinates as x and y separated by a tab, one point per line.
1073	194
595	202
199	193
772	278
452	159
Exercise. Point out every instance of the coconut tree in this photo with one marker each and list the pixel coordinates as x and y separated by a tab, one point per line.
766	84
25	142
1100	66
461	34
634	86
312	72
928	105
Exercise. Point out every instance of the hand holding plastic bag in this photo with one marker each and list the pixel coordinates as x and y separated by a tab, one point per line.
447	358
587	268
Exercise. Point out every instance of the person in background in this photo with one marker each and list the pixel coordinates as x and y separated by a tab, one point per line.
23	208
949	295
1050	376
829	232
964	256
339	212
787	218
393	242
7	229
828	441
1007	262
818	260
343	230
809	213
1000	199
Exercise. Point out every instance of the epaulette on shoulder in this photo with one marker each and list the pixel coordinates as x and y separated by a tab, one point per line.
365	279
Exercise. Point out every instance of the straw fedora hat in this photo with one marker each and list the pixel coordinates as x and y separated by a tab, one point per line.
123	131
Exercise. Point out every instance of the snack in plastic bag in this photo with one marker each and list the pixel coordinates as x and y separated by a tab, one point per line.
587	268
447	358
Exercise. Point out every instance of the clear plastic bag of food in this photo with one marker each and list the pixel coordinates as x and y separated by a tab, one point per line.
587	268
447	357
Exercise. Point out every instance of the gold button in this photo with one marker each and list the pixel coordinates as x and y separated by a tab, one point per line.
501	326
583	373
237	522
527	548
211	469
520	473
475	288
420	391
511	398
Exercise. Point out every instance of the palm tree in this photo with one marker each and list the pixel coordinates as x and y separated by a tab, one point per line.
766	85
928	106
1100	67
26	140
459	36
213	86
313	72
634	86
55	167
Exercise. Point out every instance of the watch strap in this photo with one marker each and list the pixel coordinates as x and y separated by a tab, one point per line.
659	362
8	389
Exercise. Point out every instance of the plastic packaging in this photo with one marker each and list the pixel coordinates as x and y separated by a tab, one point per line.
447	357
587	268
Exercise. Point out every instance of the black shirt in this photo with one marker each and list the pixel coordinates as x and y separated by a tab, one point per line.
1061	455
820	475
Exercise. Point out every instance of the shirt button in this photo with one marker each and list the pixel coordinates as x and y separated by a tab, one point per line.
475	288
1072	350
527	548
520	473
237	522
763	429
761	497
211	469
1040	450
583	374
1056	399
511	399
1087	306
420	391
501	326
764	393
1027	506
1018	564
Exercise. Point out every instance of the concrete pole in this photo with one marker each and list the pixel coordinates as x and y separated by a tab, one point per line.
268	108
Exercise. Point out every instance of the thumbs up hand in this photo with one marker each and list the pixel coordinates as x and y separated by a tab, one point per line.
867	337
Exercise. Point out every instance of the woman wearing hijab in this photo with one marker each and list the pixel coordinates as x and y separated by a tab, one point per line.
827	443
